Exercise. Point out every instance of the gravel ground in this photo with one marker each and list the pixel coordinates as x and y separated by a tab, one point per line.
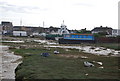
8	63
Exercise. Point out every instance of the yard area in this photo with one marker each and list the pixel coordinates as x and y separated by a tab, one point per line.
66	65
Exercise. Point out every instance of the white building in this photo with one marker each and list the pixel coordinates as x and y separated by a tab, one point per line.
19	33
35	34
53	32
42	34
116	32
63	29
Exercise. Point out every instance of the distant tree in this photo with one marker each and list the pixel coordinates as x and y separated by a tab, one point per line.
100	34
103	33
84	31
97	35
51	27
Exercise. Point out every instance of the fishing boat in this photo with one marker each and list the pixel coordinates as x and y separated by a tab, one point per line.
76	38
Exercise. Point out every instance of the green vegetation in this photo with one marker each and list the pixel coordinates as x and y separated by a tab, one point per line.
35	66
100	34
115	46
66	65
84	31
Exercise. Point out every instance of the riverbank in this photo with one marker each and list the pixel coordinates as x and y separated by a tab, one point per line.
8	63
68	64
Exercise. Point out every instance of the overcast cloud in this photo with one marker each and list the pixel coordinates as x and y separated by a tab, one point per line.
77	14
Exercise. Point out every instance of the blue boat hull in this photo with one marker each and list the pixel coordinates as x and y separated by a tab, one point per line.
68	41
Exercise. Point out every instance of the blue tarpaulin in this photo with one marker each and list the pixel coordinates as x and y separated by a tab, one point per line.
45	54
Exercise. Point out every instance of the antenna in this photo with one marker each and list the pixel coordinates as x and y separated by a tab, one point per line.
63	21
43	24
21	22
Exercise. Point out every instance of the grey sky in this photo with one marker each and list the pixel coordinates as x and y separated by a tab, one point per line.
77	14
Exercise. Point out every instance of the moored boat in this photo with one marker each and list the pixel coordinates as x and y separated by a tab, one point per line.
77	38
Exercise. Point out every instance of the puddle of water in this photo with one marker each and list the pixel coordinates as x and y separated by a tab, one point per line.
14	41
45	41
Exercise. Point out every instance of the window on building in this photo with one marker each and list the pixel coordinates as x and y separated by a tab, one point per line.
67	35
114	31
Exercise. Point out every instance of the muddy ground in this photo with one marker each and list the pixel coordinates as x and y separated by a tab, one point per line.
8	63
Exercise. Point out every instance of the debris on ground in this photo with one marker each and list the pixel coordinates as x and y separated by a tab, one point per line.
84	57
101	67
45	54
56	52
100	63
18	41
88	64
86	74
69	56
67	50
90	50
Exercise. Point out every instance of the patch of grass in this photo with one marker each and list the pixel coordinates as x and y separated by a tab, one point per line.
35	66
115	46
55	67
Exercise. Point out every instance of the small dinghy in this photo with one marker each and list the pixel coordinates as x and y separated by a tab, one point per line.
88	64
56	52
